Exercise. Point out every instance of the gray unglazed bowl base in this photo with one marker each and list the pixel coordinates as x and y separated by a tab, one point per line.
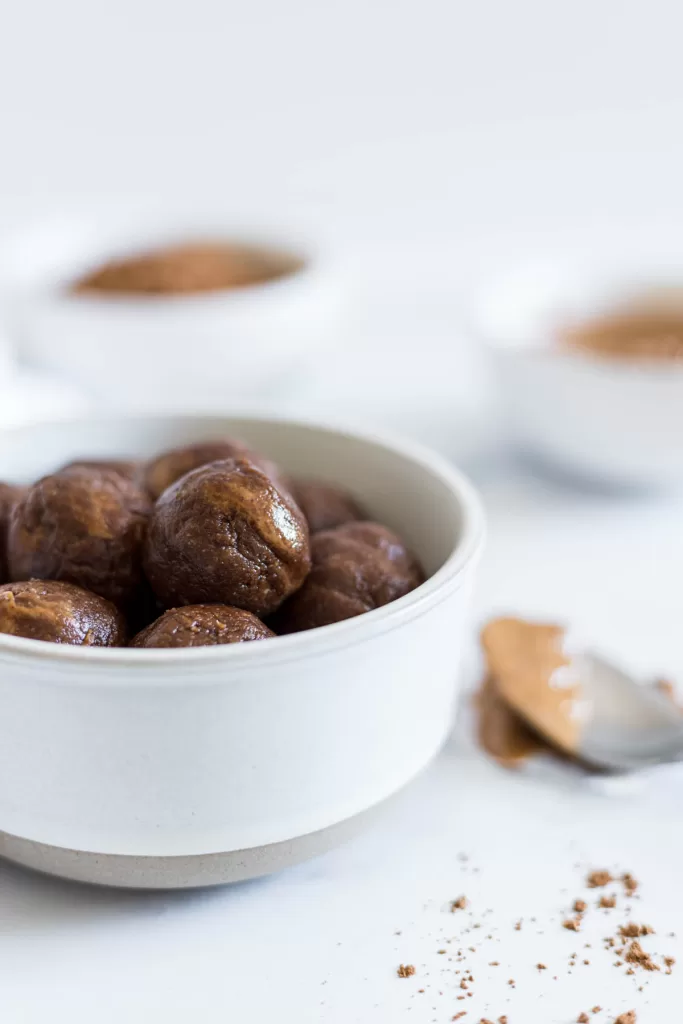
199	870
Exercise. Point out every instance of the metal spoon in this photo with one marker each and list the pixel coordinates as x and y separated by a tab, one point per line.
624	726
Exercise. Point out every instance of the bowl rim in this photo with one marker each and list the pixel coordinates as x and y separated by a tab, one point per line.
314	642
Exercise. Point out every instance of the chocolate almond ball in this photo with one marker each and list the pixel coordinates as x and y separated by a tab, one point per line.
124	467
60	613
202	625
324	505
83	526
168	467
356	567
9	496
224	534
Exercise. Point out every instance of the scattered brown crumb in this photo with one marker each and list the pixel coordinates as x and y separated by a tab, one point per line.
541	967
457	1016
607	902
586	962
632	930
485	1020
511	982
626	1018
459	904
503	1019
518	926
637	956
494	963
405	970
572	924
598	879
669	961
463	984
580	906
596	1009
630	885
583	1018
441	952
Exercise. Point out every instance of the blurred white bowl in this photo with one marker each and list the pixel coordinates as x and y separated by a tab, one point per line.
146	351
616	421
187	767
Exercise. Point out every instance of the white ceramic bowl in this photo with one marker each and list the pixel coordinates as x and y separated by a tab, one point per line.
179	768
242	345
614	421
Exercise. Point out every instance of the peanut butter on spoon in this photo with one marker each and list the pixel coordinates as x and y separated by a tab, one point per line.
502	733
535	677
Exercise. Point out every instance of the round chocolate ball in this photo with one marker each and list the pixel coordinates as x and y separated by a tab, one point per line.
324	505
168	467
124	467
202	625
9	496
224	534
356	567
60	613
84	526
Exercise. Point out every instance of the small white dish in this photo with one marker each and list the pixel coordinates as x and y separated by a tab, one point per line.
143	351
614	421
170	768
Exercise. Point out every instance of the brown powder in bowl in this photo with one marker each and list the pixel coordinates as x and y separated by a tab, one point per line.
186	269
635	333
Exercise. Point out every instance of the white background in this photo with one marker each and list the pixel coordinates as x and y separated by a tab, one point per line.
426	140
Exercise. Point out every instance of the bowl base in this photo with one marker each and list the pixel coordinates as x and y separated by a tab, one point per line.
189	872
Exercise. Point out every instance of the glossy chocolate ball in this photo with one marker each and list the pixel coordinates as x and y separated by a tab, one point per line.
202	625
60	613
9	496
356	567
83	526
168	467
324	505
224	534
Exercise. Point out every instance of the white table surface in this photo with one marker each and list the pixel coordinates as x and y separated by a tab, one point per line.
319	942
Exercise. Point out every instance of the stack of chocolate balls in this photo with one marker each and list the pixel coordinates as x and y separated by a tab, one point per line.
206	544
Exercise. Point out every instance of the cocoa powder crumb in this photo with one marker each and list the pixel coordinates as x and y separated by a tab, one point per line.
598	879
583	1018
627	1018
637	956
503	1020
541	967
669	961
580	906
457	1016
511	982
630	885
405	970
518	926
596	1009
633	930
572	924
607	902
459	904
